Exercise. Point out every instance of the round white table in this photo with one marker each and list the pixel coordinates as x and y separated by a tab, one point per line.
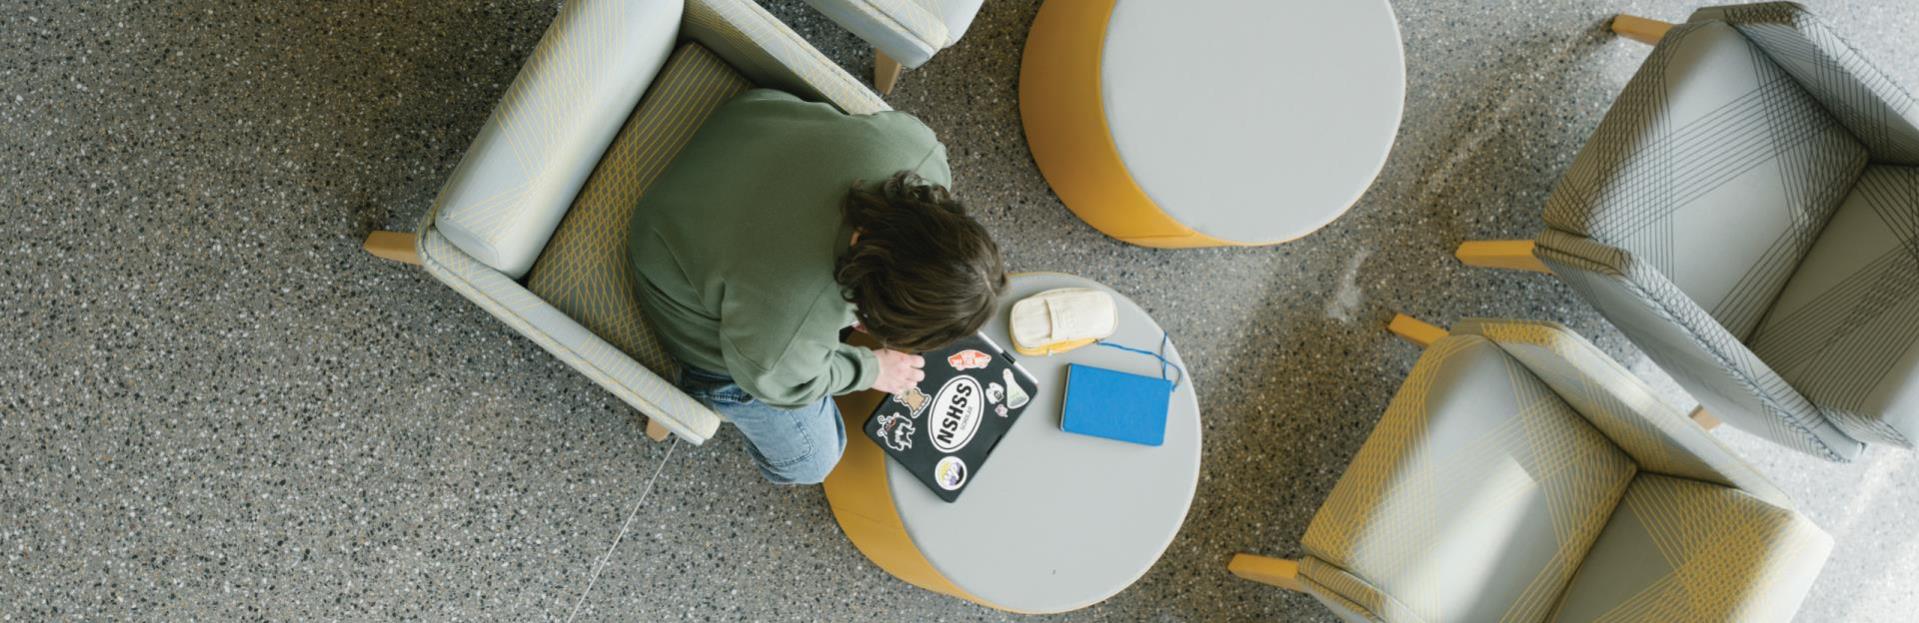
1211	122
1053	521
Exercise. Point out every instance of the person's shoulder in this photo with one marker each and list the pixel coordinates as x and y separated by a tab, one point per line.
774	102
904	124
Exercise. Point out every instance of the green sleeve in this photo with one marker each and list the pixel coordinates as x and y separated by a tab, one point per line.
798	367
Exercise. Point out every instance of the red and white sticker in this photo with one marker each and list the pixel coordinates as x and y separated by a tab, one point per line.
969	359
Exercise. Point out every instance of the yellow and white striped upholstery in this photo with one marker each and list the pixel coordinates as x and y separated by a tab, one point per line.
1476	496
738	32
1683	550
584	270
1515	472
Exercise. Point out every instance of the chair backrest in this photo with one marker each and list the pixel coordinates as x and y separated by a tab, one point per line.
1879	112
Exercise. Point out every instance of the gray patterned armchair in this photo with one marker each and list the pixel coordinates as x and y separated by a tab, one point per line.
532	224
1748	214
1520	474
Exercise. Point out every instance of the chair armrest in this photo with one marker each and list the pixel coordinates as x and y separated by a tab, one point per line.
902	29
573	344
770	54
519	177
1711	364
1658	437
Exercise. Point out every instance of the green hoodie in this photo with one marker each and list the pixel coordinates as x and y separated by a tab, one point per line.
735	245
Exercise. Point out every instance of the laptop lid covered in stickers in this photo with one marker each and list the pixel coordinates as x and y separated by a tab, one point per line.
943	429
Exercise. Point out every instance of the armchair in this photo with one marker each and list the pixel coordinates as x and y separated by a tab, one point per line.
1748	214
1522	475
904	33
531	226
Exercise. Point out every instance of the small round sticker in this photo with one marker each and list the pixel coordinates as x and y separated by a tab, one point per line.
950	473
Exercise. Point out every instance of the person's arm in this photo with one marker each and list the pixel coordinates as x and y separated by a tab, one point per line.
790	364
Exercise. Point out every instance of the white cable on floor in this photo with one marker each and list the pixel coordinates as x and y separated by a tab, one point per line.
623	526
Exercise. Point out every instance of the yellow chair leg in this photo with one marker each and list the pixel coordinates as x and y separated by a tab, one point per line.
1502	254
1415	330
1705	418
886	72
395	246
655	431
1278	572
1647	31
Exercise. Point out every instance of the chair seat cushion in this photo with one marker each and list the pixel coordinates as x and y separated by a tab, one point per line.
1843	330
1473	500
1683	550
1715	168
584	270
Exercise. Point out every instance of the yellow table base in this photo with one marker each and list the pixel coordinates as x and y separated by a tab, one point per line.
863	504
862	501
1065	121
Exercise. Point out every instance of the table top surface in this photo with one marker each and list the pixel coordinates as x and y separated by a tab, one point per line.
1055	521
1253	122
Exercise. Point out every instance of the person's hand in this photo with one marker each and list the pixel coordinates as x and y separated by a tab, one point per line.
898	371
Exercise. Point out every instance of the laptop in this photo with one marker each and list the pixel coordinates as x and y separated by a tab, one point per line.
943	429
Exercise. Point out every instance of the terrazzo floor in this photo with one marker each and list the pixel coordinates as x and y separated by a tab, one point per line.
214	406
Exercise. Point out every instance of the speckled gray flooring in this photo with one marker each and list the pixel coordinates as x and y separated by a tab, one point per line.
214	406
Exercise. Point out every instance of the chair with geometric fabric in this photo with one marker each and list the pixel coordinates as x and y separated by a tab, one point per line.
532	224
904	33
1520	474
1747	213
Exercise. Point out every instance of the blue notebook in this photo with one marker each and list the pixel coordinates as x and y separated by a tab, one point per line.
1115	405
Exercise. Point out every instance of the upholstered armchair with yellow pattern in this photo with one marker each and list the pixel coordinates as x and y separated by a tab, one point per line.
1522	475
532	224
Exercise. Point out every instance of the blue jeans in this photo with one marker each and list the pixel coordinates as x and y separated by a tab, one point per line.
792	446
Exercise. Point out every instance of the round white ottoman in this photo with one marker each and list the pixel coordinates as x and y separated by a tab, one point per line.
1211	122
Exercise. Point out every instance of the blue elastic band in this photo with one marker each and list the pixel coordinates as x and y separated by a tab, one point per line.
1164	363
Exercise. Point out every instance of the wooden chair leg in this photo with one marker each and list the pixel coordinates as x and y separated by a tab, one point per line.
1278	572
1647	31
886	72
395	246
1503	254
1704	418
655	431
1415	330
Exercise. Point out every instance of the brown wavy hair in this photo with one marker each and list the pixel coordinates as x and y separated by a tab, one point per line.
922	273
